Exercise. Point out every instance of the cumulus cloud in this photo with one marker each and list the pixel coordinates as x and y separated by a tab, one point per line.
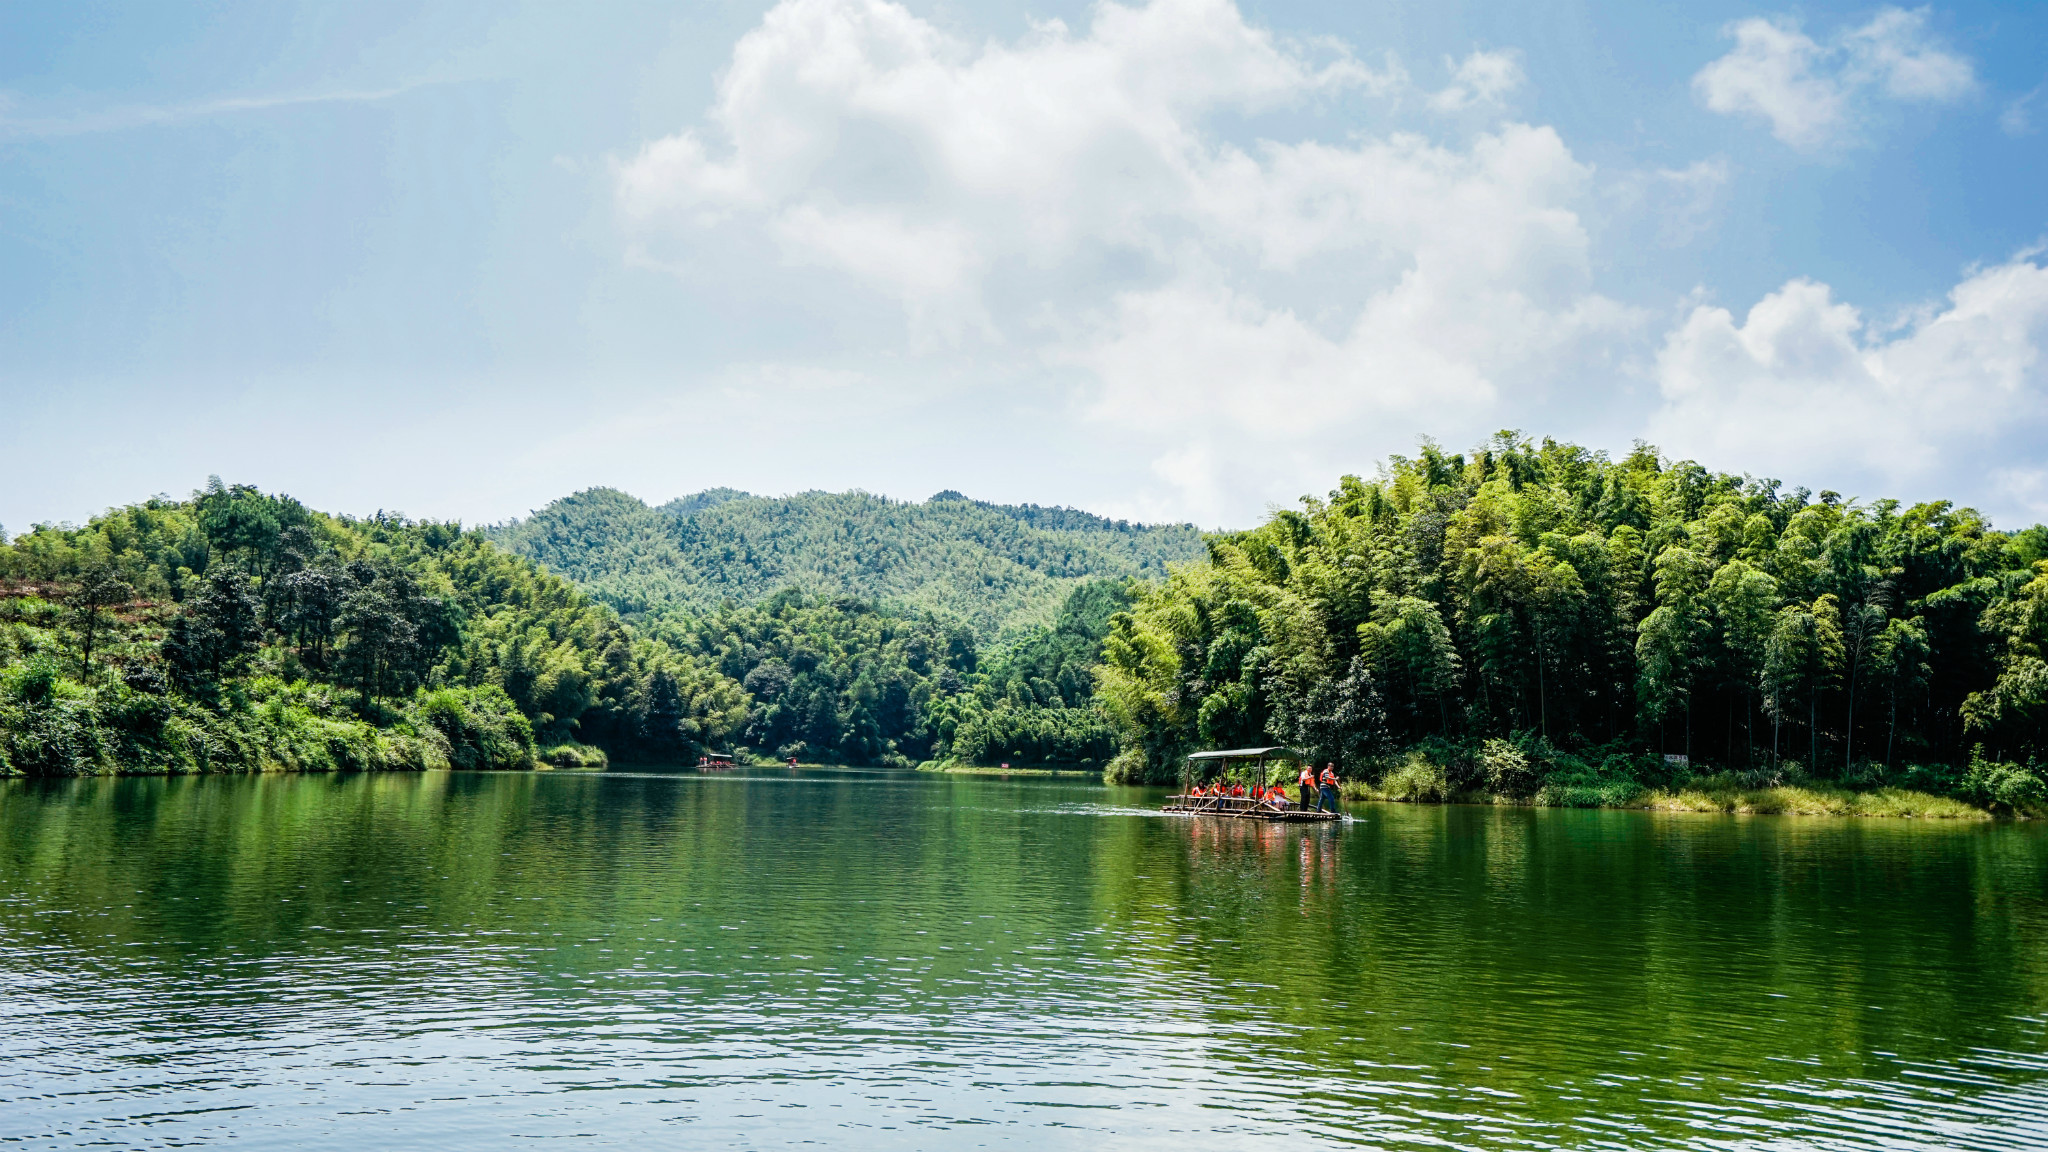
1804	383
1812	92
1081	214
1067	197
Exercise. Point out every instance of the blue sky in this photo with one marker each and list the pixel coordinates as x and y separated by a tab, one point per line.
1179	260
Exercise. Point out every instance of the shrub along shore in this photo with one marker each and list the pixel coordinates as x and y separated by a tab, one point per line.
1504	772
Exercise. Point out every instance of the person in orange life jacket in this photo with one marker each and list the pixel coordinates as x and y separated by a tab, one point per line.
1328	799
1308	787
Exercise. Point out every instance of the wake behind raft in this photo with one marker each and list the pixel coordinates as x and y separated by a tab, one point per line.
1246	766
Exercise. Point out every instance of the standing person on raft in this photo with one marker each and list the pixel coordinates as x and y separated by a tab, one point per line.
1308	786
1328	800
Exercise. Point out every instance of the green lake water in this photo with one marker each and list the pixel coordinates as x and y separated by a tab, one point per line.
886	960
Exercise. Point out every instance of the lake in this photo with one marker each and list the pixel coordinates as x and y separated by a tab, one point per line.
771	958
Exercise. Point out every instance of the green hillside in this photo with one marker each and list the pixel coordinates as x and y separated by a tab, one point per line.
1001	569
241	631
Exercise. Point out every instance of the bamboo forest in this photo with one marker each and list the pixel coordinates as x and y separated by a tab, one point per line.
1523	622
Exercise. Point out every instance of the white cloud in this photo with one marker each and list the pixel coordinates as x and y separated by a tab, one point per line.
1771	73
2024	488
1066	197
1812	93
1069	230
860	137
1480	80
2018	117
1683	203
1895	52
1803	384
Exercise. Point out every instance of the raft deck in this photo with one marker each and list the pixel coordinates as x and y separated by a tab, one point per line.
1243	808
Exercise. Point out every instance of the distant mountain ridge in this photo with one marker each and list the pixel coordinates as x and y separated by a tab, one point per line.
997	567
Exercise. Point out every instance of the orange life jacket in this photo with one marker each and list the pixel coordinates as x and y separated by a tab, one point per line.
1308	777
1329	778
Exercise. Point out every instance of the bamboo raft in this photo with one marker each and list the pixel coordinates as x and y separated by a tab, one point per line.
1251	762
1243	808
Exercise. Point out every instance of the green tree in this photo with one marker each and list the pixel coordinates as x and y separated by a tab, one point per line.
305	606
1669	639
1803	657
1898	661
394	629
1744	601
216	634
99	591
664	717
1409	646
1862	627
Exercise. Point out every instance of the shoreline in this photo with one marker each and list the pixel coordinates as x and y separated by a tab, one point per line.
949	768
1781	800
1706	797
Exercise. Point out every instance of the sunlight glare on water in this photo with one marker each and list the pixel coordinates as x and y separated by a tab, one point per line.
889	960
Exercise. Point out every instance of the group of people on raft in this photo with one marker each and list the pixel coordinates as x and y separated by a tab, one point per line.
1318	793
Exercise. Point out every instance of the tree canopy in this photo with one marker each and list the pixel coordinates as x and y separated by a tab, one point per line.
1000	569
1520	613
1547	593
237	629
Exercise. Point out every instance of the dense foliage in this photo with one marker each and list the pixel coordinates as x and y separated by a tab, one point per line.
1528	614
845	680
1528	621
1001	569
239	630
836	680
1032	701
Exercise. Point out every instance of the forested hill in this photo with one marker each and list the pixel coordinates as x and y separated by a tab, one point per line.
239	631
998	568
1534	616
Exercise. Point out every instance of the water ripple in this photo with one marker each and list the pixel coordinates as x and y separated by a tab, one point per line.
896	961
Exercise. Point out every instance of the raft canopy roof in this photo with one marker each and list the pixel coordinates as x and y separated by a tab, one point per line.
1274	752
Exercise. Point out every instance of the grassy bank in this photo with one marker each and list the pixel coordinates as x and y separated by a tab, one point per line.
1500	772
1726	794
1723	793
